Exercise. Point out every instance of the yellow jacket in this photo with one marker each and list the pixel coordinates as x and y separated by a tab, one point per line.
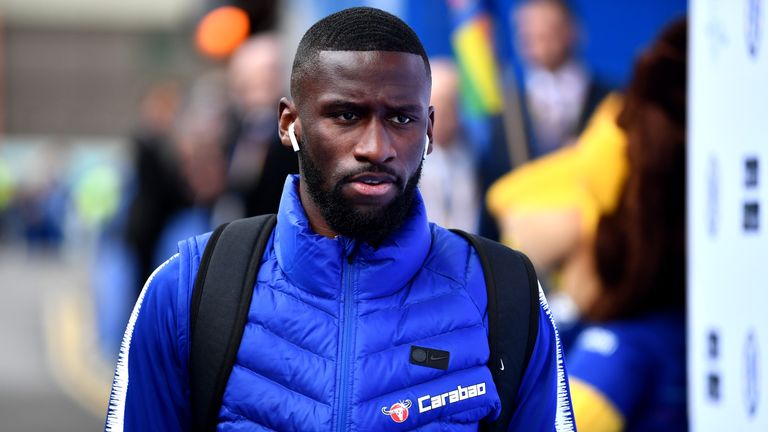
587	176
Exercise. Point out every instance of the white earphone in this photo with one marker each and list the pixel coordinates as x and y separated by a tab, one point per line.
426	148
292	137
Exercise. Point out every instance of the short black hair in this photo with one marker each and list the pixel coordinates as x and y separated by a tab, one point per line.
355	29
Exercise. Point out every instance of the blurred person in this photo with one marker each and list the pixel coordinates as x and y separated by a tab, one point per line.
258	162
449	182
157	188
558	90
628	368
549	208
40	200
149	195
177	177
547	103
198	143
254	76
351	276
609	213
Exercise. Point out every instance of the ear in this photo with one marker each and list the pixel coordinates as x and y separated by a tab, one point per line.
287	114
430	126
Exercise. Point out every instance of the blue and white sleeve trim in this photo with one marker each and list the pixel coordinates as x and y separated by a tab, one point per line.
117	397
564	413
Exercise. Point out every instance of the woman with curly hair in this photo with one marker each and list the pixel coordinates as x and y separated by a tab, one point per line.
627	367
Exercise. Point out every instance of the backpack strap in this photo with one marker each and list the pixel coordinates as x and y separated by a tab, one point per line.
513	319
221	298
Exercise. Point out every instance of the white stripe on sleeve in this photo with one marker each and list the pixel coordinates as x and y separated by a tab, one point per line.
116	410
564	416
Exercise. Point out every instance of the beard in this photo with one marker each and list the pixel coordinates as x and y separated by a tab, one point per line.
371	226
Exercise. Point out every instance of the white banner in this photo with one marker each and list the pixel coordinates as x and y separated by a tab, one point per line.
727	225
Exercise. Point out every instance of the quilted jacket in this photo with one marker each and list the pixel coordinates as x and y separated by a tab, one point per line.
327	345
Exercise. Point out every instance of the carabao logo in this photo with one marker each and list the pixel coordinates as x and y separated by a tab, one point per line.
398	412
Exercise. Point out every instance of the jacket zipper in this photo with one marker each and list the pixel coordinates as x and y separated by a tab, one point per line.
350	311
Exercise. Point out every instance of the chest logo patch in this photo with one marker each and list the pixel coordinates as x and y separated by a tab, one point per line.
398	412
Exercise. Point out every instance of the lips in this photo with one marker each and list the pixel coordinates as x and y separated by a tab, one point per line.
373	178
372	185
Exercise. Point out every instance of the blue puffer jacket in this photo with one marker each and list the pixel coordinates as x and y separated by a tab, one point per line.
328	340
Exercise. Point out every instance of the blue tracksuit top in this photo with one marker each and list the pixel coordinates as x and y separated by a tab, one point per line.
328	338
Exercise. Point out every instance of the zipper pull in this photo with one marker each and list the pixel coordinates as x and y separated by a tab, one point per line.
350	249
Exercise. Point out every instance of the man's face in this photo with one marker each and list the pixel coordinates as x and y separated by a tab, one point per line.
544	34
255	76
363	121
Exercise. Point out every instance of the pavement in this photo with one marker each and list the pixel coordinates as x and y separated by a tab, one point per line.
52	377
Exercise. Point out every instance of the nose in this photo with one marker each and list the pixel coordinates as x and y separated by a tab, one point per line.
375	145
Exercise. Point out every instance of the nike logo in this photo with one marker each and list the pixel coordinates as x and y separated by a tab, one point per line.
502	363
429	357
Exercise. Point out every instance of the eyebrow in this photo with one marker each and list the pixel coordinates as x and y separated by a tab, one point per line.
407	108
339	104
335	105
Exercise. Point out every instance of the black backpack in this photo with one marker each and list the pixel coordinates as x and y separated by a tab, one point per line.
222	296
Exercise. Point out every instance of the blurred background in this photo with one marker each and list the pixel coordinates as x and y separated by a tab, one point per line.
127	126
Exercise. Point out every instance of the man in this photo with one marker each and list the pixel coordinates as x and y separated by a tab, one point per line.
352	278
449	184
547	102
258	161
560	94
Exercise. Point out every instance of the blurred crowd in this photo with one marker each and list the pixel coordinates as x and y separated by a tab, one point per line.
586	179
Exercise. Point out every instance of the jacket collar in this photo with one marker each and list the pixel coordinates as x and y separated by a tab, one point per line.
316	264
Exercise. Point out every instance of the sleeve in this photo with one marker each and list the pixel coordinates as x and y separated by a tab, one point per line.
596	412
543	400
150	390
610	376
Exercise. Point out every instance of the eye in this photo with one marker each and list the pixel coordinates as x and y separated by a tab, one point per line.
401	119
347	116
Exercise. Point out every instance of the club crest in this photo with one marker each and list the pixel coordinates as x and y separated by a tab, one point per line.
398	412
